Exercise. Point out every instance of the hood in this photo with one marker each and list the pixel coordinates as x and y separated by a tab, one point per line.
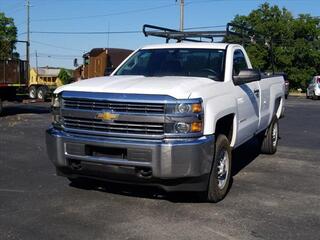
177	87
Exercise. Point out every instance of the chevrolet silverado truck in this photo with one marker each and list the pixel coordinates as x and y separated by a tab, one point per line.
168	116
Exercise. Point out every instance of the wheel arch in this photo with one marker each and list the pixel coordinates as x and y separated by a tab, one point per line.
227	125
278	107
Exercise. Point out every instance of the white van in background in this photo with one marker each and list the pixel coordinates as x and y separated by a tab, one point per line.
313	88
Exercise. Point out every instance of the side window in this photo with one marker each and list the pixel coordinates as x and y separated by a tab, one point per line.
239	62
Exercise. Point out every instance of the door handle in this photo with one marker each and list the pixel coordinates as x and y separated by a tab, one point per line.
256	92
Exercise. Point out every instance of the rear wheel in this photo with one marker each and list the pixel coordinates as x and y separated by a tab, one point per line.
41	93
33	92
221	170
314	96
269	138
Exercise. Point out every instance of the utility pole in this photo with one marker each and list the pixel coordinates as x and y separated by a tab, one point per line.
37	66
28	38
108	35
181	15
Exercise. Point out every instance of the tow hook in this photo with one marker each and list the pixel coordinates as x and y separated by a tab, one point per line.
75	165
144	172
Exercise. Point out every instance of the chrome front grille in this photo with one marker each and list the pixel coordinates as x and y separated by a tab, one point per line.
143	116
121	127
98	105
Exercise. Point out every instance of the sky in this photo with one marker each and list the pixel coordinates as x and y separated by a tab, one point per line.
59	50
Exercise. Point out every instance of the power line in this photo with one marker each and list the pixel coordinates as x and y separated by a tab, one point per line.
58	55
113	32
120	13
22	34
14	6
56	46
207	27
104	15
14	10
58	58
86	33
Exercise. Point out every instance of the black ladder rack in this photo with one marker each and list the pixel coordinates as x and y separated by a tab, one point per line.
197	36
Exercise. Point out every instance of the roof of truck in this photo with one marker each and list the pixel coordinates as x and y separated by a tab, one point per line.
188	45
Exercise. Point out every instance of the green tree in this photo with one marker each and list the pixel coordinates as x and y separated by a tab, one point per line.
8	36
64	76
291	44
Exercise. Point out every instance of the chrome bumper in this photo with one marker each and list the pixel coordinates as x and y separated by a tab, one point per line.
164	159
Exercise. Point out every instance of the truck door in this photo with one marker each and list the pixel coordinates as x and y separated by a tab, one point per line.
248	100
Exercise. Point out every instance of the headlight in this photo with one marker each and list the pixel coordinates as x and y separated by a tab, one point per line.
183	108
194	127
55	103
188	108
181	127
184	117
55	106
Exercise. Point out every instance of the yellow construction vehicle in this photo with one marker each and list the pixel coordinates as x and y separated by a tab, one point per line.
43	81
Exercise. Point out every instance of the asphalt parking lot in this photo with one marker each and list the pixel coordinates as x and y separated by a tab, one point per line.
272	197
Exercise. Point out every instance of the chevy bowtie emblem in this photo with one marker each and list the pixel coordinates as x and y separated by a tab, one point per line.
106	116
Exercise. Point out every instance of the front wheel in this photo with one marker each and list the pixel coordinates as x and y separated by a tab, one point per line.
269	138
221	170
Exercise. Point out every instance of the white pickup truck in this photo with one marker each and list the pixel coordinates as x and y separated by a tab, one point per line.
168	116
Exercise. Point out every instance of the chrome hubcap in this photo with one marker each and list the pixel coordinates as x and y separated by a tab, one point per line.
275	134
223	169
33	93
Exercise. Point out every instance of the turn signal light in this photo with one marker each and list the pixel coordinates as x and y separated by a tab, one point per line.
196	127
196	108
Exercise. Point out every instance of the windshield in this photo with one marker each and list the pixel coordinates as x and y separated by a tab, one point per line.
187	62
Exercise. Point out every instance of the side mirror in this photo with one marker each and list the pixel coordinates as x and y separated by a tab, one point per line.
246	76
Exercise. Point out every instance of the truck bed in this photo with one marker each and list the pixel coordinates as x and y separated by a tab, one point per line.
13	73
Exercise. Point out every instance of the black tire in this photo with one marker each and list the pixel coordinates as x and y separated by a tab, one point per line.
315	97
217	191
269	138
33	92
42	93
286	96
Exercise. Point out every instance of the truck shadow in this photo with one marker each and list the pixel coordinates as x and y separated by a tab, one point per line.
21	108
242	157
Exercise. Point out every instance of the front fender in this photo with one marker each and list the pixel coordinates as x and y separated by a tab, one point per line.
216	108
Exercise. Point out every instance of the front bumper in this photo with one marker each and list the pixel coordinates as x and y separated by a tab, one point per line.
174	165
